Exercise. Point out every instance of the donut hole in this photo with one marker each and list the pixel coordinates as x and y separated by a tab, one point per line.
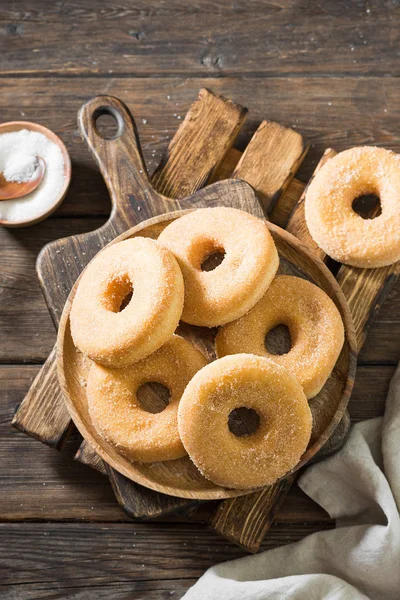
153	396
213	260
278	340
367	206
118	294
206	254
126	300
243	421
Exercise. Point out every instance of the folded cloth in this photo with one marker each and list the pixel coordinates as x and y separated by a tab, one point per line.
360	488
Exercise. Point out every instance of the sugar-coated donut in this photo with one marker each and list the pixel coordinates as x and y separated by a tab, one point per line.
115	337
315	326
232	288
336	227
116	411
256	383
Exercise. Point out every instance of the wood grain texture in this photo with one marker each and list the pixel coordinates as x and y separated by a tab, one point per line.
203	140
87	456
228	166
204	38
246	520
297	221
365	291
48	420
349	111
142	503
116	560
281	213
337	440
270	161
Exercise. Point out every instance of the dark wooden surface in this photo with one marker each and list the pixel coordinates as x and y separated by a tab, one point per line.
328	69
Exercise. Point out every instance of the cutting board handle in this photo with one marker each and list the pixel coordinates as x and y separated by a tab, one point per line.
120	160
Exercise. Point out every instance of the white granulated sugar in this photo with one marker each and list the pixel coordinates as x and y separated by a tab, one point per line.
20	168
16	152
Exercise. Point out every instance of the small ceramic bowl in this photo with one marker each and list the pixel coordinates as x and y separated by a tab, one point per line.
17	126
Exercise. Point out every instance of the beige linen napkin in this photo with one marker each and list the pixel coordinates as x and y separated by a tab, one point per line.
360	488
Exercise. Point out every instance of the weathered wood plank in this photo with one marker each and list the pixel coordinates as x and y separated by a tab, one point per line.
204	38
26	330
375	286
199	147
347	112
383	341
32	421
121	590
44	558
281	213
73	491
228	166
297	224
245	521
87	456
270	161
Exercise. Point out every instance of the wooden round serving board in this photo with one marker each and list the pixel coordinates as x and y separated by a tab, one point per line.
180	477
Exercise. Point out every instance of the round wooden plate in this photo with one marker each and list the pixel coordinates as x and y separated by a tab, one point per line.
180	477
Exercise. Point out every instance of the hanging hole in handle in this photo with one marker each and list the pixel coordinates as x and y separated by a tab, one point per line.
108	123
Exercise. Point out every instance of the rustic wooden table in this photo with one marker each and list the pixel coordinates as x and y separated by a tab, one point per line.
329	69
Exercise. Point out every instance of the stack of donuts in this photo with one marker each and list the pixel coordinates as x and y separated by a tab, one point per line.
127	307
